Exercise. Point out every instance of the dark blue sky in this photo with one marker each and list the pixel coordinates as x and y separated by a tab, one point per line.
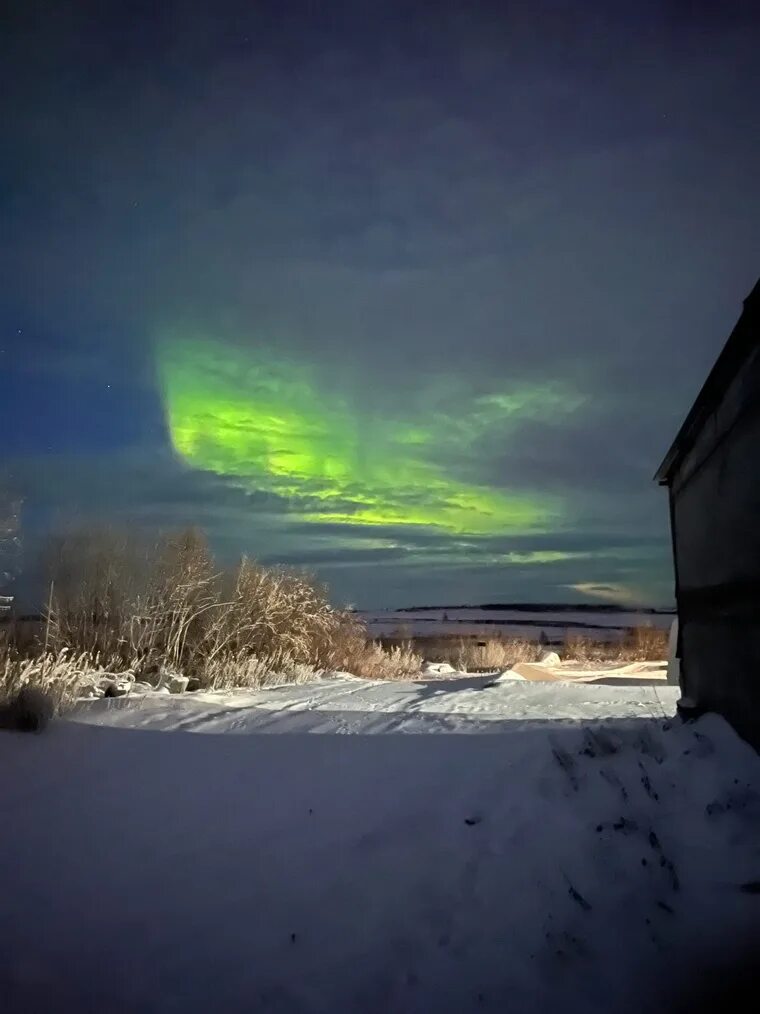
457	270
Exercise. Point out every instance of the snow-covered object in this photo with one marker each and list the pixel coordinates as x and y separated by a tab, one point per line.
674	662
176	683
112	685
548	658
90	692
440	668
139	687
115	686
172	681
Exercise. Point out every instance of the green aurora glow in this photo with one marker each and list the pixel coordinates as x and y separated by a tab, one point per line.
268	424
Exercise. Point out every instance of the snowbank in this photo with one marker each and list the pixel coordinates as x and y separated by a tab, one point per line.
553	867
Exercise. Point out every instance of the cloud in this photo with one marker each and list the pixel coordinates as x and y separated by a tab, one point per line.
616	593
500	250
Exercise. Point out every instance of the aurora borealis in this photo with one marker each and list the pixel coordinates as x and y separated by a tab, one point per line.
414	298
264	423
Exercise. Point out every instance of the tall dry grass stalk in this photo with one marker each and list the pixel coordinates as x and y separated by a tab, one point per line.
373	661
230	670
59	675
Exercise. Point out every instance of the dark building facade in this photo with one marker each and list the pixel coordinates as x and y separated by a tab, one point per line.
712	472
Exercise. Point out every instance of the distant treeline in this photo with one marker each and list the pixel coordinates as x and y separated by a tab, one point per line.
543	607
562	624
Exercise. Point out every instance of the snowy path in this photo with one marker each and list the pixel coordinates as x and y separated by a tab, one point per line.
346	704
560	867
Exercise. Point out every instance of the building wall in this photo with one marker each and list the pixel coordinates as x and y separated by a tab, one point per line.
716	516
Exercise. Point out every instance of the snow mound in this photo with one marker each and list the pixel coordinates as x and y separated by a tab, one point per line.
508	676
548	658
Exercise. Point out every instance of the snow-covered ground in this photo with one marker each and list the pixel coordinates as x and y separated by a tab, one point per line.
563	862
345	704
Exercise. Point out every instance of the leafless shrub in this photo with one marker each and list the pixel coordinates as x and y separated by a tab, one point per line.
95	587
166	605
277	615
113	595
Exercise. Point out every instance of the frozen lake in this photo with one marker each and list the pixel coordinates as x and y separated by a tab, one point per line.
555	624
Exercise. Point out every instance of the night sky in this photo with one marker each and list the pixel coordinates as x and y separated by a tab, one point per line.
413	295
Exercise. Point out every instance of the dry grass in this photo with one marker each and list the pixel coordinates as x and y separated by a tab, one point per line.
495	653
642	644
241	669
59	675
373	661
470	654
